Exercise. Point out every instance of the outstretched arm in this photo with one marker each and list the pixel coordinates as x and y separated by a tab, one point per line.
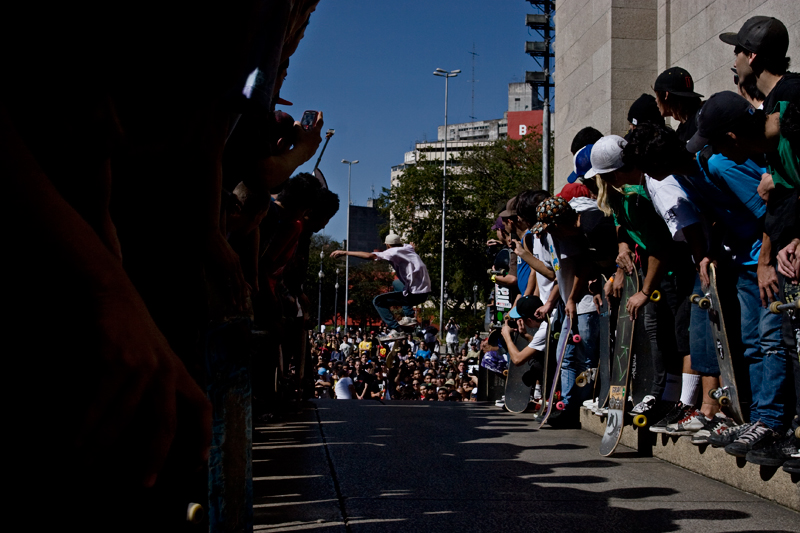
362	255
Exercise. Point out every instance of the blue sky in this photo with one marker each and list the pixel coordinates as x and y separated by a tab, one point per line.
368	66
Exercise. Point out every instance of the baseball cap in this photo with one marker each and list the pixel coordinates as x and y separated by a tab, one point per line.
393	239
644	109
509	211
526	307
574	190
677	81
606	155
550	211
716	116
581	163
762	35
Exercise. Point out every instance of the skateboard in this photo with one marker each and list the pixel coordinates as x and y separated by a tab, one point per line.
230	463
520	379
727	394
620	364
502	295
548	371
561	350
601	384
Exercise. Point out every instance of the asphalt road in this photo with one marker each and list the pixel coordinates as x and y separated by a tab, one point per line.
360	466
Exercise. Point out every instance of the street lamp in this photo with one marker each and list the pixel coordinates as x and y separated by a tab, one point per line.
347	242
319	301
446	75
336	303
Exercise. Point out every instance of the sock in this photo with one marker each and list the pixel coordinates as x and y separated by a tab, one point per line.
672	389
691	385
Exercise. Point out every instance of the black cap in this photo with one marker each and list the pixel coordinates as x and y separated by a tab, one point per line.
716	117
762	35
526	307
677	81
645	109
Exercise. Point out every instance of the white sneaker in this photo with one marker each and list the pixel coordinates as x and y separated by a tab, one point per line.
407	321
501	402
537	392
590	404
392	335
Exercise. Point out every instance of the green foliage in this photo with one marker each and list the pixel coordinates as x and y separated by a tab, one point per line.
476	185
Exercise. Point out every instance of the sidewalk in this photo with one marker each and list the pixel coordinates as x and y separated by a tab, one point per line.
416	466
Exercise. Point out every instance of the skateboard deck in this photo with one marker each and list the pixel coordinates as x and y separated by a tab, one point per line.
548	371
560	351
642	371
520	379
727	394
601	384
620	365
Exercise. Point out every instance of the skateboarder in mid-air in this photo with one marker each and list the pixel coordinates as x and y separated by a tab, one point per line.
411	272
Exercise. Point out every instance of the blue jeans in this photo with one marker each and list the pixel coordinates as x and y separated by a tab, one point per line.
701	341
578	358
766	357
383	302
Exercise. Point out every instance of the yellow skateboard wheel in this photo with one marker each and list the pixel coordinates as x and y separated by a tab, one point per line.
195	513
639	421
724	401
655	297
556	335
580	381
505	373
797	433
774	307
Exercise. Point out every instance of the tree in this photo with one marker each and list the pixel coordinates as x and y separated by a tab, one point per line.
476	184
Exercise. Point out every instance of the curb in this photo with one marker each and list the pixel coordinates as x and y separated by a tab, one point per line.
770	483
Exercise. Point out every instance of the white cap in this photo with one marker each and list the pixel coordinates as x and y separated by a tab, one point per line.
393	239
606	155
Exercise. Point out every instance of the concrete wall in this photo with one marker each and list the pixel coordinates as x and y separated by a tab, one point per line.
608	52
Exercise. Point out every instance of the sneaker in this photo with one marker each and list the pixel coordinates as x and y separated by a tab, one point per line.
688	425
792	466
754	438
774	454
647	403
537	393
727	436
675	414
501	402
590	404
712	426
392	335
407	321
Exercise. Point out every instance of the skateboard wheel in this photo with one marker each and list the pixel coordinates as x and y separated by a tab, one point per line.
195	513
494	278
560	406
704	303
712	394
556	335
694	298
724	401
655	297
797	433
639	421
774	307
505	373
580	381
576	338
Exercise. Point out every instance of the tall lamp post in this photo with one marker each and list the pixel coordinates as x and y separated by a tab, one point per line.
446	75
347	242
319	301
336	303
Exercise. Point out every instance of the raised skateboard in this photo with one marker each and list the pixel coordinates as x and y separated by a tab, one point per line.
727	394
601	384
620	364
561	350
520	379
642	371
549	364
503	298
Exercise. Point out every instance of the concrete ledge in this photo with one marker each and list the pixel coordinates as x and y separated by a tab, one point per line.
767	482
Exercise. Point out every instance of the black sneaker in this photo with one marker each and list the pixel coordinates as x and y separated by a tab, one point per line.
755	438
792	466
675	414
713	426
776	453
727	436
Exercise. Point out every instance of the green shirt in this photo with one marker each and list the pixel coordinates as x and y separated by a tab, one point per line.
785	168
634	212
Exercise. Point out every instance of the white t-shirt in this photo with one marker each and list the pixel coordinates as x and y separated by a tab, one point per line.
672	204
545	285
563	256
452	334
409	268
342	389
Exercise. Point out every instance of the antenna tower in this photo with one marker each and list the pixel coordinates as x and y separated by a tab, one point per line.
472	116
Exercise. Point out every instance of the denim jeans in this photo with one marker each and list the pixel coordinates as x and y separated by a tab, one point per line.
701	341
578	358
765	355
383	302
